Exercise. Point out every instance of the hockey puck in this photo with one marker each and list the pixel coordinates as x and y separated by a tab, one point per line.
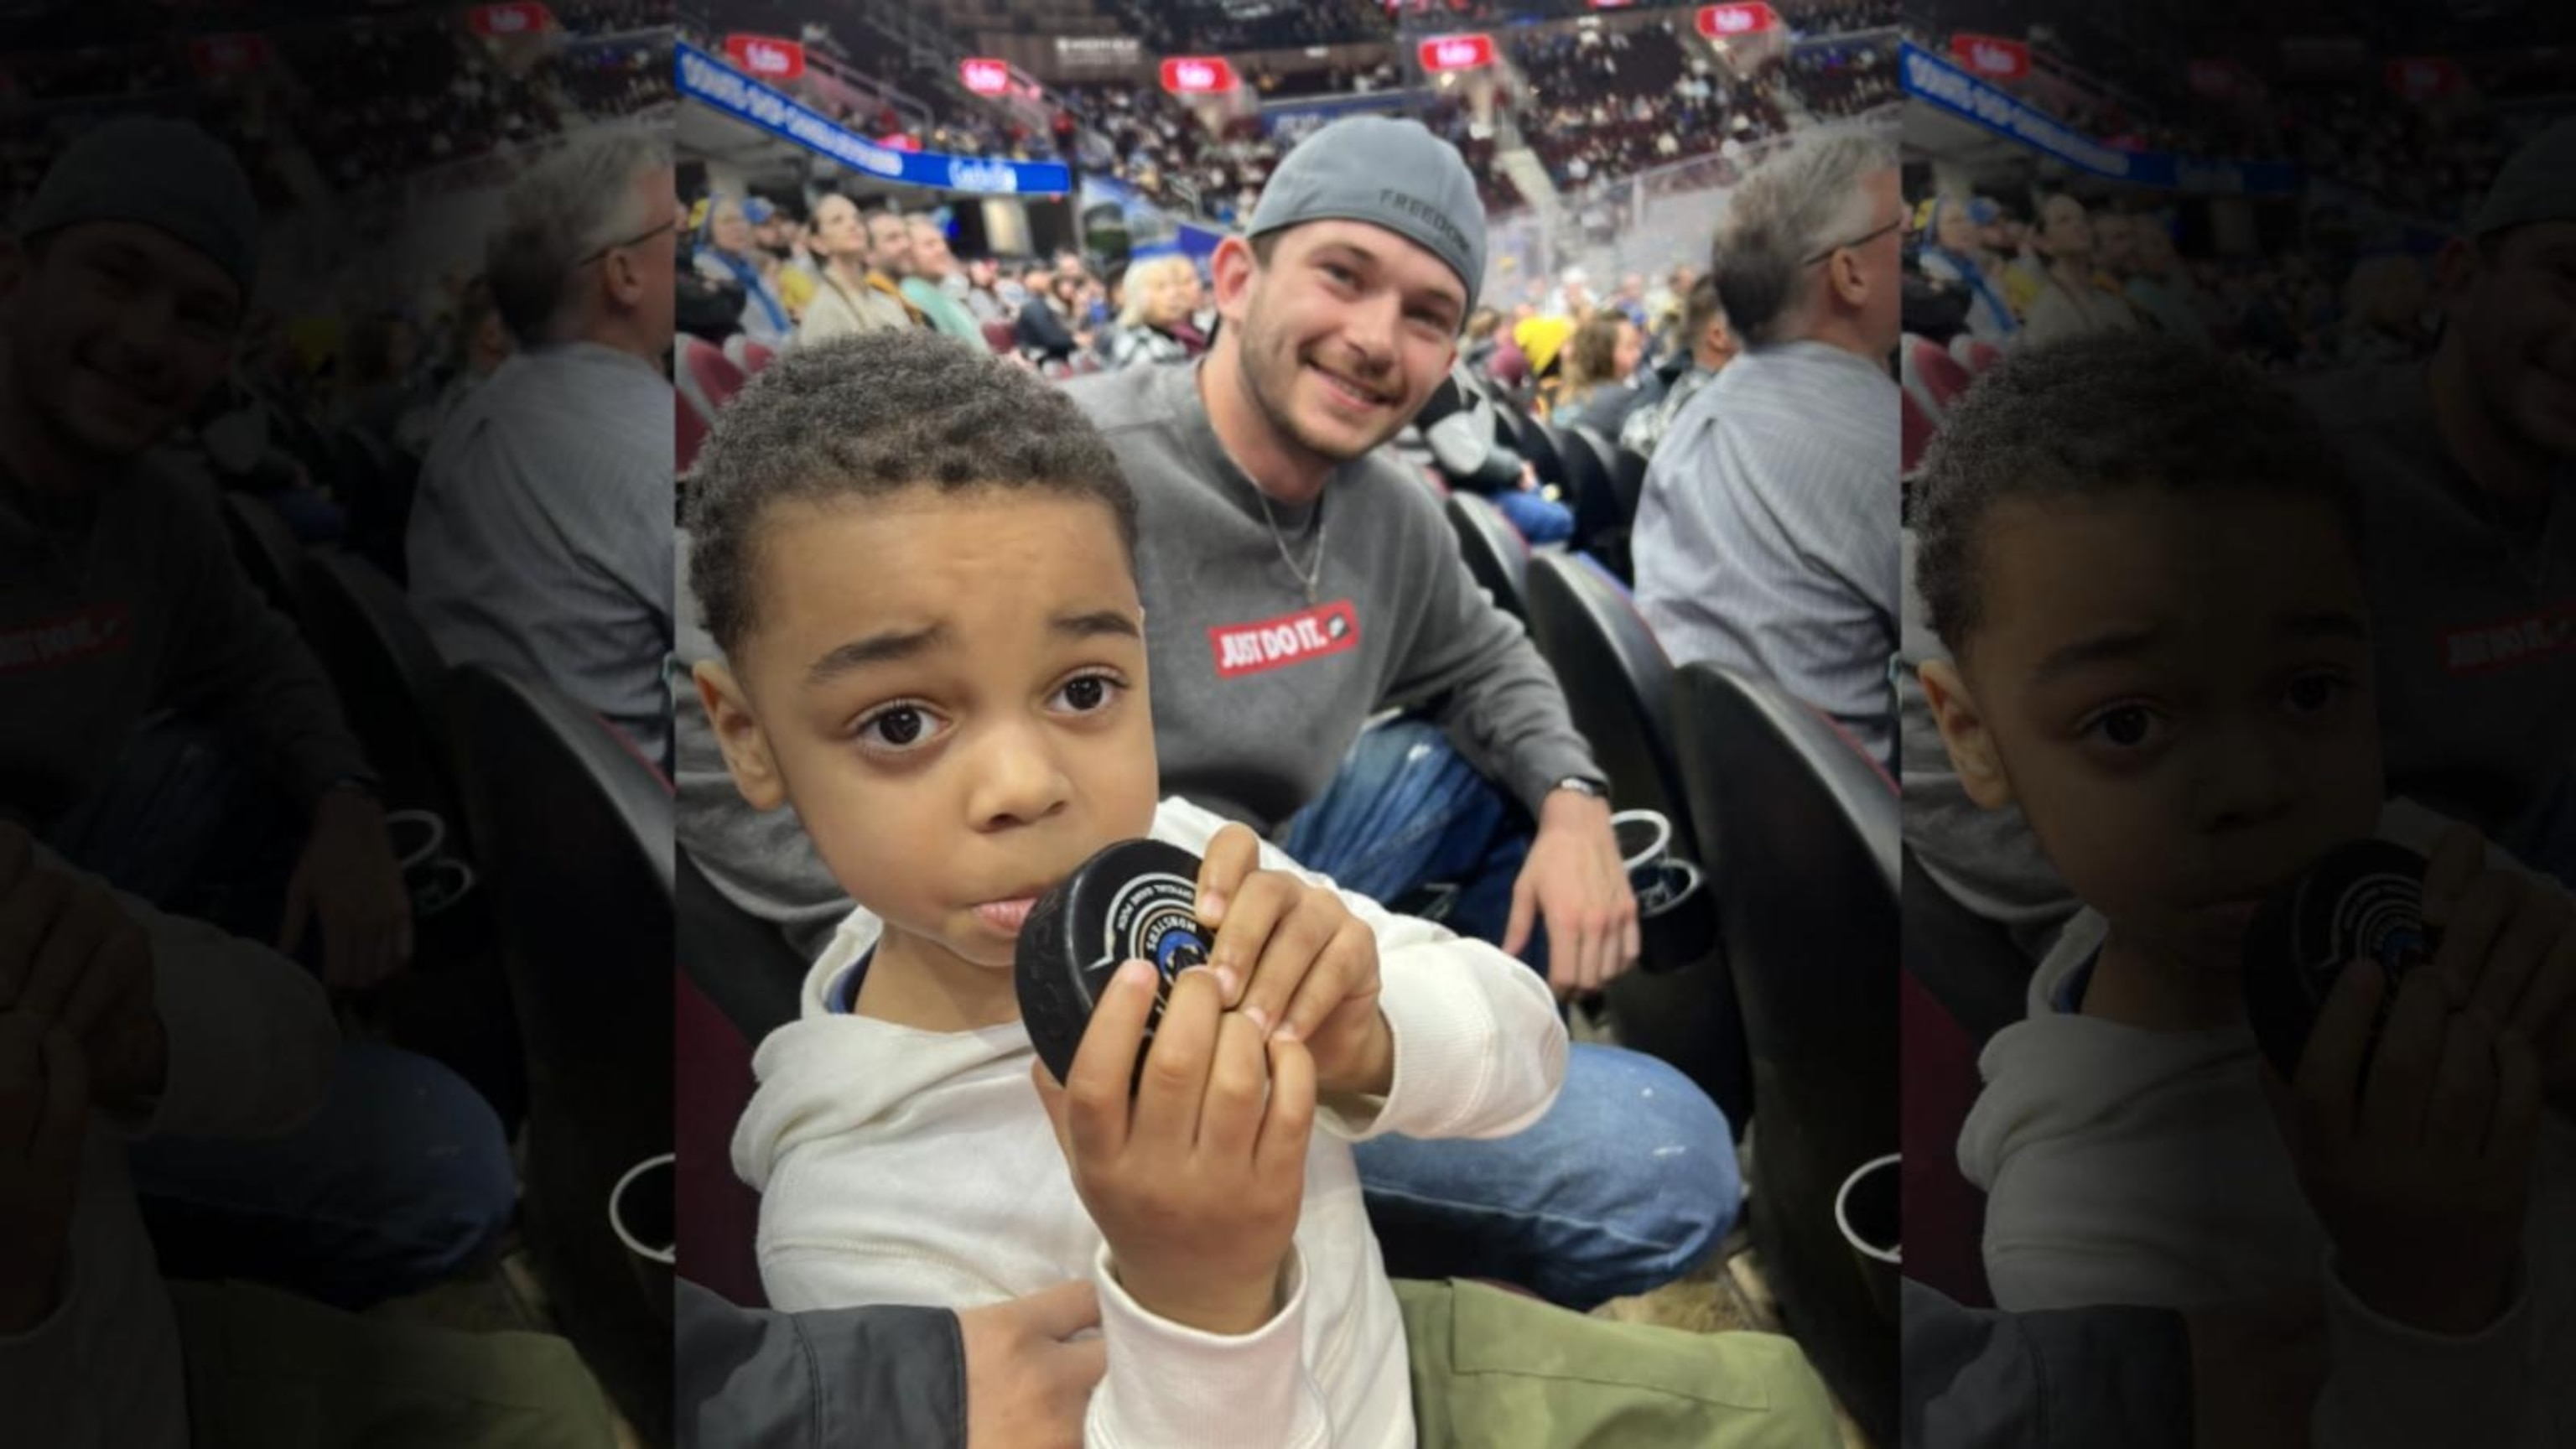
1136	900
2363	901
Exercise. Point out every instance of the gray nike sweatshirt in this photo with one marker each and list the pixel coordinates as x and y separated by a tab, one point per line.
129	602
1257	693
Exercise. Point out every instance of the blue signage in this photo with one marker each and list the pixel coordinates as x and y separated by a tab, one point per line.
1931	79
708	80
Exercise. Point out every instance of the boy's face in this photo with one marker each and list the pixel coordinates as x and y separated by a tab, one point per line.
2177	693
951	692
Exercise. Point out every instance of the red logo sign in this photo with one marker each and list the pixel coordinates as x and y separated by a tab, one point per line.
766	56
900	141
2424	78
1992	56
522	18
1721	22
2529	640
1260	647
1457	52
215	56
25	648
985	77
1196	75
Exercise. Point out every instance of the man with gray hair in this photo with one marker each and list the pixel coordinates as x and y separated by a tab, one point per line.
1766	537
541	539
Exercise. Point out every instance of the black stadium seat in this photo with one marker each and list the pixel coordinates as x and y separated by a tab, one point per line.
1800	828
1618	686
574	828
390	679
267	549
1628	483
1598	526
1496	553
1538	445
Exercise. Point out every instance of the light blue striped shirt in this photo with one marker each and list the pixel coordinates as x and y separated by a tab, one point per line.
540	541
1766	539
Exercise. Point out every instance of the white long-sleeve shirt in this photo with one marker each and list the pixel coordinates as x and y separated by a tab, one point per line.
2142	1167
251	1044
906	1166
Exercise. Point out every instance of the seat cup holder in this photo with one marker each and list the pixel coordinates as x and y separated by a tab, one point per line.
1676	917
1867	1212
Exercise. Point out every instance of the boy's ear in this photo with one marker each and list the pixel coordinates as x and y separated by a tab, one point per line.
738	734
1964	735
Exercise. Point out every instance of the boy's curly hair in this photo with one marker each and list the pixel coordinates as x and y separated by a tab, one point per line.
2092	415
865	417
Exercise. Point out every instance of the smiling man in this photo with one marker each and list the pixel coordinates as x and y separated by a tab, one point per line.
1297	581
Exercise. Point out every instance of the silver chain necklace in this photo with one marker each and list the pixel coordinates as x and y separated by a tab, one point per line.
1314	571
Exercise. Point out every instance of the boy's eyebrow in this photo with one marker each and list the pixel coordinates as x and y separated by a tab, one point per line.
875	649
1095	624
2083	653
2326	624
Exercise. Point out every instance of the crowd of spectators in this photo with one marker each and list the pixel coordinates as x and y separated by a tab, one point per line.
1605	106
1844	79
1194	27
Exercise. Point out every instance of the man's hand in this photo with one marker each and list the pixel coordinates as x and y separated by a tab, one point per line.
1195	1182
2420	1166
1575	881
348	877
2508	952
70	957
44	1110
1026	1387
1293	958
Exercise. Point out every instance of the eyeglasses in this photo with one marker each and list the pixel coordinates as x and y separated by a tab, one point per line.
633	241
1858	241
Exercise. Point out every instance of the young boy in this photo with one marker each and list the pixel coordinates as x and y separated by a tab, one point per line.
919	567
2143	567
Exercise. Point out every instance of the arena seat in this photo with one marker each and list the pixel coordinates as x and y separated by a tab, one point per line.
267	551
1628	483
1974	353
1002	338
1801	830
707	378
1537	443
1932	375
737	982
1592	496
575	831
1496	553
390	679
1917	429
748	355
1947	948
692	430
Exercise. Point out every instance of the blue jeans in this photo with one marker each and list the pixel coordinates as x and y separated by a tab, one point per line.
1539	520
405	1174
1629	1180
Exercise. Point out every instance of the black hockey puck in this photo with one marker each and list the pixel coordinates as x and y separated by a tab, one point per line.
2363	901
1136	900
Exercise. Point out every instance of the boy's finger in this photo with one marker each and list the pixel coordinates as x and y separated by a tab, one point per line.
55	1148
2329	1076
22	1082
26	918
2514	1129
17	853
1105	1064
2402	1067
1290	1120
2532	931
2464	1087
1259	903
1295	948
2477	921
1230	1115
1234	854
77	932
1176	1065
1347	967
2458	858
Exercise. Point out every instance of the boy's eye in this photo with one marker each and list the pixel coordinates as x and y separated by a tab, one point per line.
2126	727
1089	693
897	727
2310	693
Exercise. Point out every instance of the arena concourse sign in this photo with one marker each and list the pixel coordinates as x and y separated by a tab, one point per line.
766	57
1991	56
1442	53
1725	22
720	87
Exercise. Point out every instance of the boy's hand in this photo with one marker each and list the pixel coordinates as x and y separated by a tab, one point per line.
1293	959
69	956
44	1110
2508	951
1194	1180
2420	1169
